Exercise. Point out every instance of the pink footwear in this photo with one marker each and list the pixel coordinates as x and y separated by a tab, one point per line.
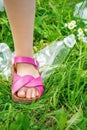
26	80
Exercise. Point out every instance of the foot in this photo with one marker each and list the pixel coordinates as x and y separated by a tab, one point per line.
27	69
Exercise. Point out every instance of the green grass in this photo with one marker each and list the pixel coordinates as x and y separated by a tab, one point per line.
64	103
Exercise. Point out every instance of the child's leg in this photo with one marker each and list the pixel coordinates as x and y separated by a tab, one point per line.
21	17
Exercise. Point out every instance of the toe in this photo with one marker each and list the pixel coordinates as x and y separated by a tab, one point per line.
34	92
29	93
22	93
37	93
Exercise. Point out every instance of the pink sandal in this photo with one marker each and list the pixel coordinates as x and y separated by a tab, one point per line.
26	80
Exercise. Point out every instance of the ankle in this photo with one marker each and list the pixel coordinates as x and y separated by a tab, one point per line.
25	54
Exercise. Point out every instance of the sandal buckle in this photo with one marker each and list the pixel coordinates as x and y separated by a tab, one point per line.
36	63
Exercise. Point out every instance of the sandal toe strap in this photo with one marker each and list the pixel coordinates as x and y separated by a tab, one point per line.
27	81
37	83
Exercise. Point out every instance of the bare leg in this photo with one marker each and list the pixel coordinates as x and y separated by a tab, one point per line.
21	17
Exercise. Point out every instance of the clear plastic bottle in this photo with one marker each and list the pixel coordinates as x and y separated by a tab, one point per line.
54	55
81	11
1	5
5	60
50	57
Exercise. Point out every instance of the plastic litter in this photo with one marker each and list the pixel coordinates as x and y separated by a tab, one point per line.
5	60
1	5
49	58
54	55
81	11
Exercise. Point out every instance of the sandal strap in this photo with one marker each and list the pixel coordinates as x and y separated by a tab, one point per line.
27	81
28	60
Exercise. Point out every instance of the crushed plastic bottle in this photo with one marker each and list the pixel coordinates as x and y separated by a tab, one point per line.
5	60
1	5
81	11
49	58
54	55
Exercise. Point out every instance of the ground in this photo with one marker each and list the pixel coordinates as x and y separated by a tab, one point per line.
64	103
